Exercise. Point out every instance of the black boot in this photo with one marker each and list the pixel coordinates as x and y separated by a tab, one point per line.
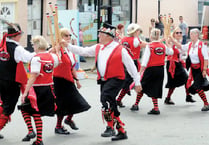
1	136
154	112
189	99
168	101
120	136
38	143
134	108
61	130
108	132
29	136
71	124
205	108
120	104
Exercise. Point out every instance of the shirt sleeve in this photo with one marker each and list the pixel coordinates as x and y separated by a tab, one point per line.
130	66
35	65
23	55
83	51
205	52
146	56
137	41
56	60
168	51
185	47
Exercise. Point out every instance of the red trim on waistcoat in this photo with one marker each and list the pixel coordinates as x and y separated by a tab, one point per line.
116	67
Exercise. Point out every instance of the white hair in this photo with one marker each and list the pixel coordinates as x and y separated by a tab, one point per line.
195	30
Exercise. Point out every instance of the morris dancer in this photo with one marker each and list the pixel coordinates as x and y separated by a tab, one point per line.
40	83
153	62
110	60
134	45
197	61
69	101
11	58
177	75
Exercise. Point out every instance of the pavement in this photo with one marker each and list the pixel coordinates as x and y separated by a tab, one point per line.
179	124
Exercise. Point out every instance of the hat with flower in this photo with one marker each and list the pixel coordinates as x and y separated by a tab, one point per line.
108	29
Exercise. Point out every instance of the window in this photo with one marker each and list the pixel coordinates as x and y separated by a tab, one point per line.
200	10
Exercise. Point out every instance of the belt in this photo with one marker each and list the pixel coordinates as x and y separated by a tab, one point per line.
195	66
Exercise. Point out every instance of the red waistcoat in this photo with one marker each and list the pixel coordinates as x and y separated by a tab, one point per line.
114	66
199	53
47	66
175	56
64	70
129	42
157	54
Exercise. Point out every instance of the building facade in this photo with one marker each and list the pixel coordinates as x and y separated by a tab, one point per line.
31	14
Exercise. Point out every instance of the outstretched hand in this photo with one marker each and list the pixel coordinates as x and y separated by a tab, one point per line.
138	89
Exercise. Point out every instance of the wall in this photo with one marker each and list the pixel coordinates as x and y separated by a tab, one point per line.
148	9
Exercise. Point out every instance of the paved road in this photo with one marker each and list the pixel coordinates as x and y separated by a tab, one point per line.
181	124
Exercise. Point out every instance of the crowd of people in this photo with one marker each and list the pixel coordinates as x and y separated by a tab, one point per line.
52	87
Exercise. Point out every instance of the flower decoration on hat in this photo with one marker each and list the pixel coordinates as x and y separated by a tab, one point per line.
108	29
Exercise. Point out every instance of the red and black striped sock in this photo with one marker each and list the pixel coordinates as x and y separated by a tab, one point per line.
59	121
122	94
155	103
138	98
187	91
69	117
203	96
170	92
27	119
38	123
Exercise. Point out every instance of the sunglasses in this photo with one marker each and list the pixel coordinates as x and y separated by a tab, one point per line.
66	35
178	32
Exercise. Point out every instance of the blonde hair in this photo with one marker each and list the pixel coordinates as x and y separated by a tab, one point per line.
155	34
40	42
174	31
64	31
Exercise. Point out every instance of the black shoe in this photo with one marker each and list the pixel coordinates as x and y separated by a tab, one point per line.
71	124
38	143
168	101
61	131
1	136
108	132
154	112
120	136
189	99
205	108
120	104
135	108
29	136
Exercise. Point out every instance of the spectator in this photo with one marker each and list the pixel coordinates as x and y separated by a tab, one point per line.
184	28
159	25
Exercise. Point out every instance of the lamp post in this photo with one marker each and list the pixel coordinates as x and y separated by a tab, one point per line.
158	7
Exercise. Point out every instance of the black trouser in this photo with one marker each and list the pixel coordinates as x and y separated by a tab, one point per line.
10	92
109	92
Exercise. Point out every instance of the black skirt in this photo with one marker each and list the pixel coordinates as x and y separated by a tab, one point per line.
152	81
129	80
180	76
68	99
45	102
199	83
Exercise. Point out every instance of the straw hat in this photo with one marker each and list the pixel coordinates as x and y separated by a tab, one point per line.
132	28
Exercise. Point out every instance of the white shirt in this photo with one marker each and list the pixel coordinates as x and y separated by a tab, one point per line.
194	52
103	57
147	53
136	42
20	54
36	64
